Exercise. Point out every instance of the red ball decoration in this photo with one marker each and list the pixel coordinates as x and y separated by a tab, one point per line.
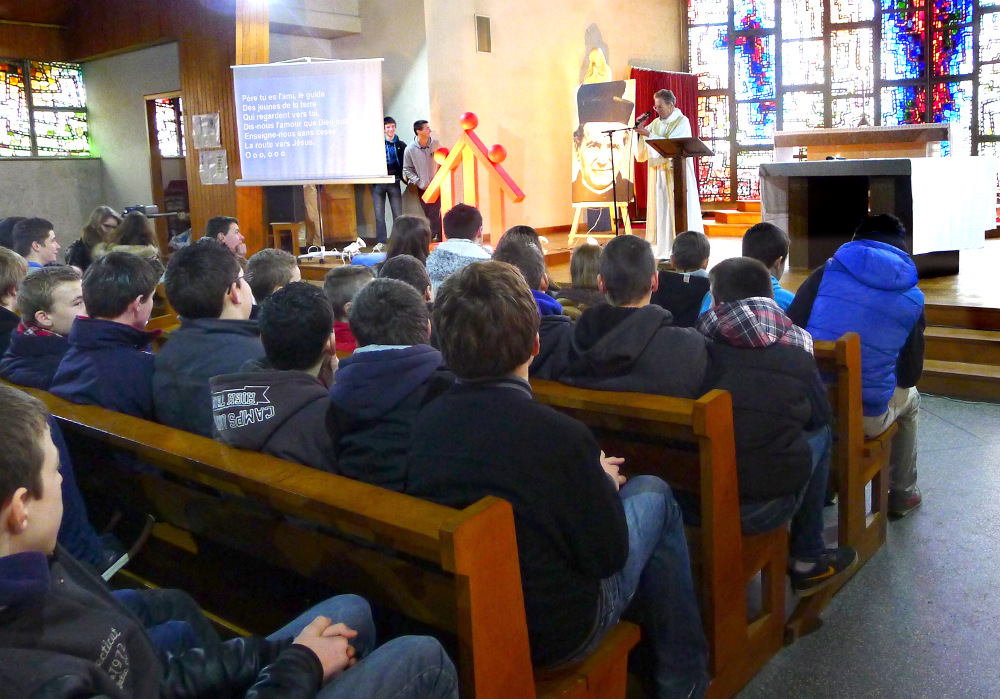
440	155
469	121
497	153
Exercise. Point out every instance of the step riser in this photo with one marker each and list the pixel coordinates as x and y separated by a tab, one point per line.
963	317
974	388
746	218
755	206
963	350
725	229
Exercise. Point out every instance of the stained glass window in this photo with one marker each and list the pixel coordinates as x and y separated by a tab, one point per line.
849	112
168	127
705	12
802	110
748	172
714	176
989	37
61	133
713	117
753	14
903	46
851	10
57	85
951	52
802	62
989	100
754	67
755	122
903	105
709	53
851	65
801	19
952	102
42	110
15	125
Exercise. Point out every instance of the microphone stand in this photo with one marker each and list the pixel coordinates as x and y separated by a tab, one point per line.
614	188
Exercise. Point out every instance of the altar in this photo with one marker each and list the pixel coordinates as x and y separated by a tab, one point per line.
946	205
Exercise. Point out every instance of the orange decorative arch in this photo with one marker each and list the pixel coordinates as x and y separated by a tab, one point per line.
468	153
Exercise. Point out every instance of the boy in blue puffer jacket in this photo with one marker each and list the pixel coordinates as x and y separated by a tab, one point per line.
869	286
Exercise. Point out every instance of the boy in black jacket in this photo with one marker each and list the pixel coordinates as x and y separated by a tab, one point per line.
382	386
63	634
13	269
780	417
586	550
685	291
278	407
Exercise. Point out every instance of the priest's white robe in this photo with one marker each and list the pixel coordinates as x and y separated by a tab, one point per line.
660	186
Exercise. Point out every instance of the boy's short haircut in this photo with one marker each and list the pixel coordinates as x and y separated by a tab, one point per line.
486	320
112	282
342	283
417	125
584	266
269	269
740	278
627	267
389	312
13	269
883	228
7	231
36	291
462	221
28	231
295	324
25	419
690	250
199	276
765	242
528	259
522	232
388	120
219	225
408	269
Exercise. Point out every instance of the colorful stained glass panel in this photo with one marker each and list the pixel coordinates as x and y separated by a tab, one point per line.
754	67
709	54
748	172
755	122
989	37
902	52
951	52
802	62
989	100
714	173
949	13
57	85
952	102
849	112
901	5
753	14
851	10
801	111
801	19
903	105
708	11
61	133
851	62
713	117
15	127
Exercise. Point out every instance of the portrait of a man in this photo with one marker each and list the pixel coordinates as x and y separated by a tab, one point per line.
600	161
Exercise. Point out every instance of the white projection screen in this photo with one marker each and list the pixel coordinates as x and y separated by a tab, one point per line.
312	121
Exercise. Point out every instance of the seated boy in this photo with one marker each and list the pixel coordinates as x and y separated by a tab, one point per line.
463	237
205	285
685	292
296	329
13	269
340	286
270	269
869	286
780	417
407	268
49	300
628	344
554	327
384	384
586	550
62	632
35	241
109	363
768	244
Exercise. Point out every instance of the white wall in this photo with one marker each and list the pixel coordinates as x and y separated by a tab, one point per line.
64	191
117	117
524	92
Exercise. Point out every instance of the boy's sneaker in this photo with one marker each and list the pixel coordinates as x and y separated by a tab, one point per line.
902	502
832	563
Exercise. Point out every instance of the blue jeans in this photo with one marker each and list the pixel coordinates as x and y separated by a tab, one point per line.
409	666
172	619
379	194
804	509
656	590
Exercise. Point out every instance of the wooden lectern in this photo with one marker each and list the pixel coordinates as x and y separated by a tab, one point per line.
675	150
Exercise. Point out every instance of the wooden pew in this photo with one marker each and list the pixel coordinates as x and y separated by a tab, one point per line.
855	463
690	444
456	570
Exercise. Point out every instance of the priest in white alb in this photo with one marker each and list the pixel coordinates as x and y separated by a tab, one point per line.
670	123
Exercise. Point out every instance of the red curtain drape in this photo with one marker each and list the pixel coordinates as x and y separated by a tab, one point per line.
685	88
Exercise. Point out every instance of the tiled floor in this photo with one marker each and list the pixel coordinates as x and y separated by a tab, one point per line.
921	618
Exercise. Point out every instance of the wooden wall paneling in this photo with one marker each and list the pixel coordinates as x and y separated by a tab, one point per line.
97	28
39	43
252	46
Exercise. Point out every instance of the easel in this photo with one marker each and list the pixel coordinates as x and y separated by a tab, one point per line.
610	206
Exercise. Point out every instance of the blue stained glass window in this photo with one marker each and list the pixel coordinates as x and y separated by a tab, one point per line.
903	46
754	67
802	62
951	12
903	105
755	122
753	14
952	52
952	102
709	57
901	5
801	111
989	37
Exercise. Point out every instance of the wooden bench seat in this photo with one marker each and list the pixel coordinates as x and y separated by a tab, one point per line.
455	570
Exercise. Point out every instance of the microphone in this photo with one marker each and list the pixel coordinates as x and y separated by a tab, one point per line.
643	117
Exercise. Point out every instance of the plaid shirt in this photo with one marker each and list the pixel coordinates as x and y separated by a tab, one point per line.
24	329
754	322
